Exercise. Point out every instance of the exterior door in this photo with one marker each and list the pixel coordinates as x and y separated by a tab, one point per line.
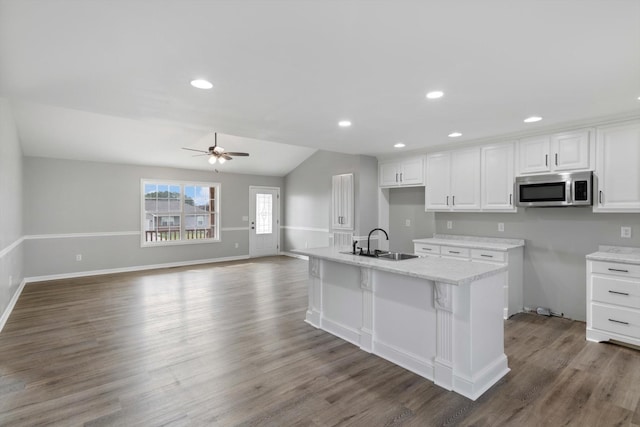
264	218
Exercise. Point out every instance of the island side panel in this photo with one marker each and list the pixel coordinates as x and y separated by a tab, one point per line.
404	321
314	292
478	347
341	300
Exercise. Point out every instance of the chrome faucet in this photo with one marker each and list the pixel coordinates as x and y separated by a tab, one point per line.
369	238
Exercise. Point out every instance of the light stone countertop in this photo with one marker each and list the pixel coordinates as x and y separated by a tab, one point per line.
452	271
473	242
625	255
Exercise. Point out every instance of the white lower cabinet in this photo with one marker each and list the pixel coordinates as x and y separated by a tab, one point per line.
613	302
513	258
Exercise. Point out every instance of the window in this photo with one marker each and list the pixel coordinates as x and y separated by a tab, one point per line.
264	213
180	212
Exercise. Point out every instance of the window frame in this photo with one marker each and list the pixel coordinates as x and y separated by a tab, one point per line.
182	184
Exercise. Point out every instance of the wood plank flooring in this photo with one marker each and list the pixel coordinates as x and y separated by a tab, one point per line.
225	345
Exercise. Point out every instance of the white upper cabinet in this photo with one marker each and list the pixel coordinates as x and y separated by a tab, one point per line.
555	153
617	169
497	177
405	172
342	202
438	185
453	180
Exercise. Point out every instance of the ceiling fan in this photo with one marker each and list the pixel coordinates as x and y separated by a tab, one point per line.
217	154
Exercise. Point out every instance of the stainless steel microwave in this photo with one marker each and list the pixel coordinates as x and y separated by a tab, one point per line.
558	189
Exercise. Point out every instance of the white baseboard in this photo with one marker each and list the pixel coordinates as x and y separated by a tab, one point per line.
12	304
131	269
292	255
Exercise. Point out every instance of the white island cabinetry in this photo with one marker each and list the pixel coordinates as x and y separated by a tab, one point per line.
439	318
507	252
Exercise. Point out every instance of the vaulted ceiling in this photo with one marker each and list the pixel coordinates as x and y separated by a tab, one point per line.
109	80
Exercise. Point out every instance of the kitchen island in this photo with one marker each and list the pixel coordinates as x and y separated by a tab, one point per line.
440	318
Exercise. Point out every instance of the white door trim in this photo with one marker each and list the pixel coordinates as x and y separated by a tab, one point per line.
252	214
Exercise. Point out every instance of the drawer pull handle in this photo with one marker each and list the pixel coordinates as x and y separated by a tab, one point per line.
619	293
486	256
454	252
619	270
618	321
427	249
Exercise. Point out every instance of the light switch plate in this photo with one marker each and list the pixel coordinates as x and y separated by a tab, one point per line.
449	225
501	226
625	232
245	218
407	223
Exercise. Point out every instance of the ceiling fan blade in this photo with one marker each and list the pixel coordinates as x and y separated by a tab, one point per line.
192	149
234	153
199	155
226	156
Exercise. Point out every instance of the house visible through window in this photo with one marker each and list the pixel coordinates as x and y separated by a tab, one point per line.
176	212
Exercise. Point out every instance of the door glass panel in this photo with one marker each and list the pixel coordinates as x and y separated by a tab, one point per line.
264	213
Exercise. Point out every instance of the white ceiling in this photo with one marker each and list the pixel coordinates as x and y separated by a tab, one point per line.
109	80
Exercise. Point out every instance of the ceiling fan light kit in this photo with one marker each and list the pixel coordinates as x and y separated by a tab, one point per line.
217	154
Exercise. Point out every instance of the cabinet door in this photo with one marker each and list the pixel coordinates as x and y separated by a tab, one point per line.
412	172
534	155
465	179
618	169
570	151
389	175
347	201
497	177
437	188
342	206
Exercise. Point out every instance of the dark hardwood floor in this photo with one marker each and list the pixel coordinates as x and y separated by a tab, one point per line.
225	344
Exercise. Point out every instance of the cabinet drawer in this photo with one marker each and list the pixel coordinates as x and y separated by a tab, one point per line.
629	270
617	290
487	255
454	251
426	249
621	321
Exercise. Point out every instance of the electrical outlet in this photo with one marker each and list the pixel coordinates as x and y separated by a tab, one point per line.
625	232
449	225
501	226
79	257
306	244
10	280
237	245
407	223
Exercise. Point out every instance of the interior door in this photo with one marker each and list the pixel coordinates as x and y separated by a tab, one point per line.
264	218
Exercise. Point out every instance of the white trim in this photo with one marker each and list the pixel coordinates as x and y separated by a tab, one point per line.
76	235
293	227
133	268
12	304
292	255
234	229
11	247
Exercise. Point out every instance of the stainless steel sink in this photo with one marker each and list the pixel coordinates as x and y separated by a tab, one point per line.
397	256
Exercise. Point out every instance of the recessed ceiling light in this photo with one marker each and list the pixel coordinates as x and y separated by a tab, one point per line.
344	123
435	94
201	84
454	134
532	119
399	145
639	98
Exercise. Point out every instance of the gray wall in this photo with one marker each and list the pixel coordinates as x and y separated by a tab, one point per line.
66	196
11	260
307	203
408	204
557	240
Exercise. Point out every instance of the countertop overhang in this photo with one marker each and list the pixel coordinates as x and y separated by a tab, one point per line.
472	242
451	271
